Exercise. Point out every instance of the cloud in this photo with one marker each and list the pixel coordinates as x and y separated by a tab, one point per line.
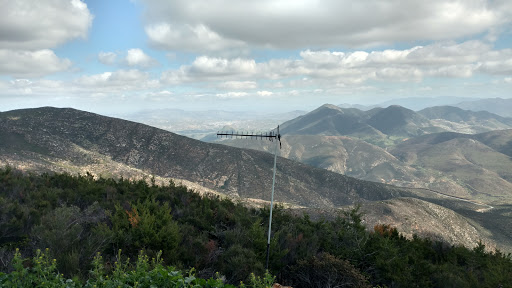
121	83
205	68
34	25
159	96
21	85
232	95
120	80
137	57
107	58
28	29
335	68
294	92
212	25
498	63
243	94
31	63
238	85
190	38
208	66
36	89
264	93
133	58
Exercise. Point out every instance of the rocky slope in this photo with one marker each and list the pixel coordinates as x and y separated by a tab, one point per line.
41	138
340	154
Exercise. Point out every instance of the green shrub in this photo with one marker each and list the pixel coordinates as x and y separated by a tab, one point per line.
42	272
326	270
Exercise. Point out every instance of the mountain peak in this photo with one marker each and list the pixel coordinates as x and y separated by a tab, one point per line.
330	106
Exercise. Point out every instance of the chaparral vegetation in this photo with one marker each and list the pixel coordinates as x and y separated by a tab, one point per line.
60	230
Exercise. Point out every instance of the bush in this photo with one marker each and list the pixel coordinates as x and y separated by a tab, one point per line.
326	270
42	272
146	225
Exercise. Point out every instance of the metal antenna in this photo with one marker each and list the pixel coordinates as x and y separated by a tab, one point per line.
270	136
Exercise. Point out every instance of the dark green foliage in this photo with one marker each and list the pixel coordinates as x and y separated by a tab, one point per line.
79	216
73	235
146	225
326	270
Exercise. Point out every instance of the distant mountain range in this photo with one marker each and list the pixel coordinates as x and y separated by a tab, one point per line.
392	122
398	146
51	139
499	106
419	103
202	124
391	145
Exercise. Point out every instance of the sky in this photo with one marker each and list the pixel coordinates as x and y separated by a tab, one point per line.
121	56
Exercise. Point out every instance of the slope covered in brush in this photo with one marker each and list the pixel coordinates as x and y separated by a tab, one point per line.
76	217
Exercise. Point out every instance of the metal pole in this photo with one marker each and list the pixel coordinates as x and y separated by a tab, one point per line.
271	205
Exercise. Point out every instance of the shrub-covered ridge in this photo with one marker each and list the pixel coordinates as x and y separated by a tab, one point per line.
78	216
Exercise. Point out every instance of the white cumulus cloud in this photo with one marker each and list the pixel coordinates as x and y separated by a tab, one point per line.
33	25
29	29
137	57
337	69
209	25
120	80
190	38
37	63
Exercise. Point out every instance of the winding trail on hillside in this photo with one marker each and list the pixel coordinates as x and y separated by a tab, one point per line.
489	207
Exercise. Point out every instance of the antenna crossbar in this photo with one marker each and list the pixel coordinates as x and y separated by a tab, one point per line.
269	135
233	134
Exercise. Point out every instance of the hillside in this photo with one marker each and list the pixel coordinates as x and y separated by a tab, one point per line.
67	140
93	227
455	119
328	120
411	161
341	154
468	166
72	140
500	141
462	160
411	216
398	121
